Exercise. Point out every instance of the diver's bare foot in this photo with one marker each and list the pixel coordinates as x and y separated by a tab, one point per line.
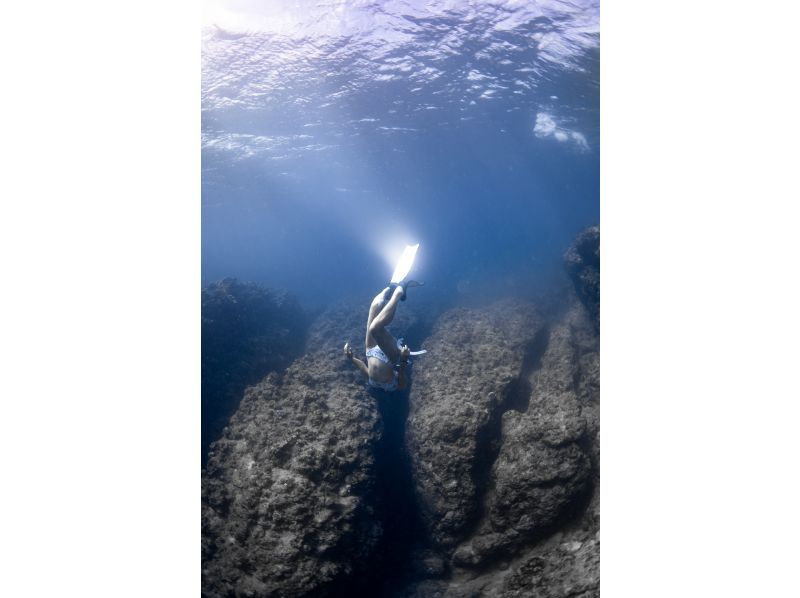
348	351
407	284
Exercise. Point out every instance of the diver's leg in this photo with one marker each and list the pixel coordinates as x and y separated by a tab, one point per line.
377	327
386	315
374	309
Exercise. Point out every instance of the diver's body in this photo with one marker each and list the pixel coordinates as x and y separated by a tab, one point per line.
383	350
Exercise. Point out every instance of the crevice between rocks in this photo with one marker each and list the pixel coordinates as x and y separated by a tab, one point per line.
516	397
391	565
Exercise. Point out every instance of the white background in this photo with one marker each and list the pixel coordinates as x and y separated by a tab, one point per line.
99	301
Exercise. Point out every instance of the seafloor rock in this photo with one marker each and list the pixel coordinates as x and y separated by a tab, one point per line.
290	506
537	529
565	565
542	469
303	494
565	570
247	331
582	261
287	492
455	405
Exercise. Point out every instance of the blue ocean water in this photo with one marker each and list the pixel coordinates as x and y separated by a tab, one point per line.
333	133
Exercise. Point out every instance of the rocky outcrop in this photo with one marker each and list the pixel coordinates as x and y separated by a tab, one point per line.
247	331
455	407
543	467
287	493
293	496
566	566
534	523
582	261
482	480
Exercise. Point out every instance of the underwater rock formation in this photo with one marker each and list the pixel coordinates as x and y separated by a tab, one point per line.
496	430
536	529
287	492
565	567
247	331
543	466
482	480
290	506
582	261
455	405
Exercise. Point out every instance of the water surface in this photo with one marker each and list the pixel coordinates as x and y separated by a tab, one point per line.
333	133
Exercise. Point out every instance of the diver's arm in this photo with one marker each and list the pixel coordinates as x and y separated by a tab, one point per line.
362	367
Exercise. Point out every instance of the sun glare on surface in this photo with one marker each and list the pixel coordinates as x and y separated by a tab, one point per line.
244	15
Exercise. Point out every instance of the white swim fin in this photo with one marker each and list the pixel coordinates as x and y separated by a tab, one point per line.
405	263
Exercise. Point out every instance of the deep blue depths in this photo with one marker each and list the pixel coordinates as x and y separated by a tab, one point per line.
474	131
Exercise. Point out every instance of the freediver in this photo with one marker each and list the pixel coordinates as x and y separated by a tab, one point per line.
384	352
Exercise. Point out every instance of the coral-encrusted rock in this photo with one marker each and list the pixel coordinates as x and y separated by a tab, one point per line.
567	565
475	358
247	331
570	570
541	469
287	492
539	530
503	442
582	261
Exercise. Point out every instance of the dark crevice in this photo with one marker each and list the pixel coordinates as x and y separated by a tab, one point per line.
392	563
521	388
395	507
585	444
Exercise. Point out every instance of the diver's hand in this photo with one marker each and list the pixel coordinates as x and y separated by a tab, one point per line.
348	351
404	353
